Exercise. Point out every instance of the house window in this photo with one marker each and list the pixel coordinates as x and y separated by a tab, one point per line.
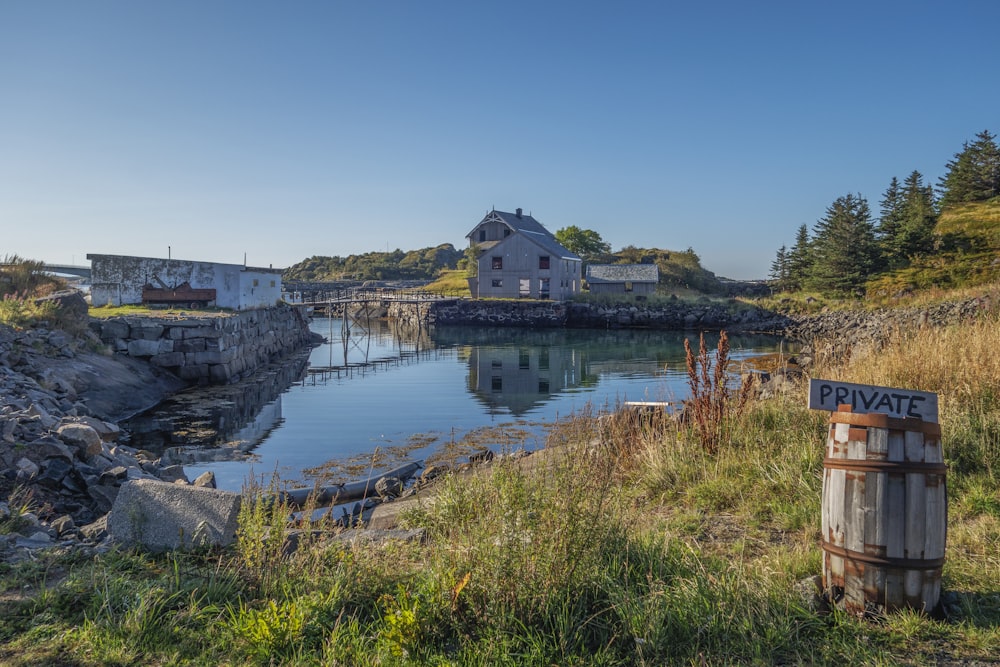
543	359
496	383
543	288
543	386
523	360
255	282
543	261
496	363
497	263
272	283
628	286
498	282
482	235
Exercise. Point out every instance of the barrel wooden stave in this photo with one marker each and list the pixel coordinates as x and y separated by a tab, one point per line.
883	516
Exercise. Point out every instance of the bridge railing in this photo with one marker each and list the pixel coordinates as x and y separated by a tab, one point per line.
369	294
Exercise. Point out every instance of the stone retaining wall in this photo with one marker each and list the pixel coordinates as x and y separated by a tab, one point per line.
209	350
498	313
414	315
846	327
546	314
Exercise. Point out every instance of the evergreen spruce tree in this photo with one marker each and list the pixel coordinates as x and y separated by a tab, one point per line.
779	269
974	173
915	235
890	221
989	164
844	250
799	259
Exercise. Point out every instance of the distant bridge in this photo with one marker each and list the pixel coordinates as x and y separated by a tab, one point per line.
69	269
63	269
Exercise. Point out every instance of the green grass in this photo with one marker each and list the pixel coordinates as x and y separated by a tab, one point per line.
139	310
21	282
625	543
969	240
450	283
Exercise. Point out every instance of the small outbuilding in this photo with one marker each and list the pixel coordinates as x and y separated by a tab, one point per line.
637	279
120	279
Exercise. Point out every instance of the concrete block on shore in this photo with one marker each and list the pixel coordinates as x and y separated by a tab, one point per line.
161	516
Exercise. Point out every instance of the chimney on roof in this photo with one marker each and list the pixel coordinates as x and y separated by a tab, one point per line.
517	212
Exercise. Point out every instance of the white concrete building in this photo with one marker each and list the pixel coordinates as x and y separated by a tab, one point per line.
119	279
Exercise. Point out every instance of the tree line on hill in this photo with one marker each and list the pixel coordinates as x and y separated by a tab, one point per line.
677	269
424	264
848	247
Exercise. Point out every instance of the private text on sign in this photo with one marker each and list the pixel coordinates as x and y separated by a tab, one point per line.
866	398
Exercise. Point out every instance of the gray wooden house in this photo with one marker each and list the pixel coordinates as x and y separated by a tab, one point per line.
518	258
637	279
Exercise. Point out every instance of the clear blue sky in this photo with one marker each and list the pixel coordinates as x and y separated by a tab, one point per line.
284	130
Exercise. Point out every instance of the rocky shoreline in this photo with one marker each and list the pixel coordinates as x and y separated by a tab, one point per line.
834	334
63	457
60	399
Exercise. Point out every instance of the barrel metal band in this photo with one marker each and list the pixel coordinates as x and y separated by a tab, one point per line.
865	465
901	563
879	420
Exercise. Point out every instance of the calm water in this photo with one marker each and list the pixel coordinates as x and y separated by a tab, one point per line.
433	389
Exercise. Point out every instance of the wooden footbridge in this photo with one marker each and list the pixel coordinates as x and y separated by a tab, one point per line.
354	299
357	309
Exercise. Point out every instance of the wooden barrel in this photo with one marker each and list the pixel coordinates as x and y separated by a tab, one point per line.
885	513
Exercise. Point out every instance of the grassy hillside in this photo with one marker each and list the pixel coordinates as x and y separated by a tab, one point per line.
450	283
423	264
680	270
968	239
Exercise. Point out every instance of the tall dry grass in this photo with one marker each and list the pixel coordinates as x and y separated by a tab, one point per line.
961	364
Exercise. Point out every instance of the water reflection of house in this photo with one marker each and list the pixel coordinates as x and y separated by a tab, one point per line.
517	379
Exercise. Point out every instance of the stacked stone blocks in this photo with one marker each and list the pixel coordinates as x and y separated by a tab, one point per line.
208	350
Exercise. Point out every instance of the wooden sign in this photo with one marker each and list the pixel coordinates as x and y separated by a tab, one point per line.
866	398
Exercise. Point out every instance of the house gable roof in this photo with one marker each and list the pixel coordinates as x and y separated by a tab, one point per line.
522	223
529	228
623	273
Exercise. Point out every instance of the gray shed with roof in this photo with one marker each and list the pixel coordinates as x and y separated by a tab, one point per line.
623	278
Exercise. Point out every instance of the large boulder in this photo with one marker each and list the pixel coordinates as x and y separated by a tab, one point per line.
70	302
160	516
